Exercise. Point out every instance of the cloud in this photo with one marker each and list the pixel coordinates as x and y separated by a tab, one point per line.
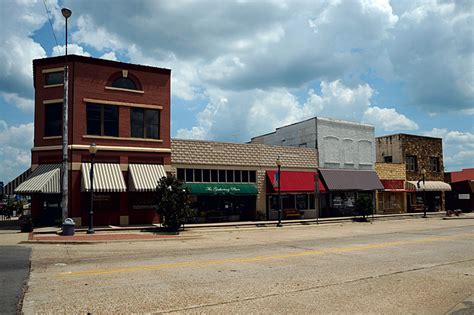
24	104
72	49
240	115
15	146
458	147
388	119
109	56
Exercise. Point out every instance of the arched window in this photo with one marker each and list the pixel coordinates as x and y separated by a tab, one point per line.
124	83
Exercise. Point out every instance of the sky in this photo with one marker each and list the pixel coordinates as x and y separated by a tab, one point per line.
243	68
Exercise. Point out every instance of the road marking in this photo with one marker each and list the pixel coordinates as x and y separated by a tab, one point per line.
195	264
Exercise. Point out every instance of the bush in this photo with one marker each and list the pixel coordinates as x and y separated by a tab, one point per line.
364	205
172	203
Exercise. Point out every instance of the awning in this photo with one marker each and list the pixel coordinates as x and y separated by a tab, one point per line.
45	179
294	181
9	188
393	185
222	189
107	178
351	180
145	177
428	186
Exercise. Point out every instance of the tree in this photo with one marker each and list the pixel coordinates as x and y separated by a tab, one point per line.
364	205
172	203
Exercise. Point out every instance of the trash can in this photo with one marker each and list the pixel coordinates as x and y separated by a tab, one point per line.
68	227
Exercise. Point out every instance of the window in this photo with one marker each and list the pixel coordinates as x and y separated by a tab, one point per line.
214	178
387	159
303	145
53	78
245	176
181	174
189	175
145	123
434	164
102	120
411	163
53	119
252	177
198	175
222	176
237	176
124	83
206	176
230	176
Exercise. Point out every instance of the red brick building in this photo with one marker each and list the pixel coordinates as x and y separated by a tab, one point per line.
125	110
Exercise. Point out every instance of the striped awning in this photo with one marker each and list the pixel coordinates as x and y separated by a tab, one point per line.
145	177
428	186
45	179
9	188
107	177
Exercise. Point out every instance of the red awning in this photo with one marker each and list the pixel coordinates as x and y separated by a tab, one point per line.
294	181
393	185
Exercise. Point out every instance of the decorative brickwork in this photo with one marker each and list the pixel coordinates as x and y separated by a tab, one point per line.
390	171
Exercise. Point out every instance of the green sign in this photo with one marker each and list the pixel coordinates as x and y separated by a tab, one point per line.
222	189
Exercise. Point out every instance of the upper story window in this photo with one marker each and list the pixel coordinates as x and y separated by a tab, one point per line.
145	123
411	163
124	83
216	176
53	119
434	164
54	78
388	159
102	120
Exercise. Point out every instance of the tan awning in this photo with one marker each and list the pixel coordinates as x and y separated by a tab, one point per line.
45	179
428	186
145	177
107	177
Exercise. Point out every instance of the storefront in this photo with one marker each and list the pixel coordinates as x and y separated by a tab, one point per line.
429	194
222	202
392	198
344	187
297	193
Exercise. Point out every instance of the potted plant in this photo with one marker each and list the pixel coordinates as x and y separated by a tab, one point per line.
26	223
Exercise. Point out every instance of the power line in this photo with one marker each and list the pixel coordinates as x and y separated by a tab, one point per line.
48	13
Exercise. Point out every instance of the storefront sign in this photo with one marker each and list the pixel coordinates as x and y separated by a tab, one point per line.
222	190
144	207
464	196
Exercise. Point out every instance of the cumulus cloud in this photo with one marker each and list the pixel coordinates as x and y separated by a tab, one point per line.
72	49
388	119
15	146
109	56
240	115
24	104
458	147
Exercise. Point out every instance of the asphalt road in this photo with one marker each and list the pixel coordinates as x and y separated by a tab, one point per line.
14	268
422	266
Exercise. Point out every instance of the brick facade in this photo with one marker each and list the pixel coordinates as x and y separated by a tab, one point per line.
90	82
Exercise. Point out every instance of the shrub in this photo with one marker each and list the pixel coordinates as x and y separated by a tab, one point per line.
172	203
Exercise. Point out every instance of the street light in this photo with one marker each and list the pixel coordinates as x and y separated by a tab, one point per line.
423	173
278	163
65	169
92	151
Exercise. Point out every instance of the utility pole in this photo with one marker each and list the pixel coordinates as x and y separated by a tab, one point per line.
65	167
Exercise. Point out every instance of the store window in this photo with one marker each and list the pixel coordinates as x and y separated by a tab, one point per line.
253	177
54	78
238	177
180	174
434	164
302	201
189	175
206	176
411	163
102	120
222	176
145	123
198	175
214	176
53	119
230	176
245	176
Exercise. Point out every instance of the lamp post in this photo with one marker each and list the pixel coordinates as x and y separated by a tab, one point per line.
92	151
423	173
65	167
278	163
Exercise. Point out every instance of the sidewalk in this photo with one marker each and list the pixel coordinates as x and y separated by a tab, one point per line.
104	234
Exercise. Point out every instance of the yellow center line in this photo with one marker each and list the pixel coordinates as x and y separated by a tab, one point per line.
196	264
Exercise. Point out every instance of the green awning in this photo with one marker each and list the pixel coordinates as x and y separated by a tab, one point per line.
222	189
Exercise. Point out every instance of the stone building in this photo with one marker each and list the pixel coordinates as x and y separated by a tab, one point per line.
232	182
423	159
346	155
